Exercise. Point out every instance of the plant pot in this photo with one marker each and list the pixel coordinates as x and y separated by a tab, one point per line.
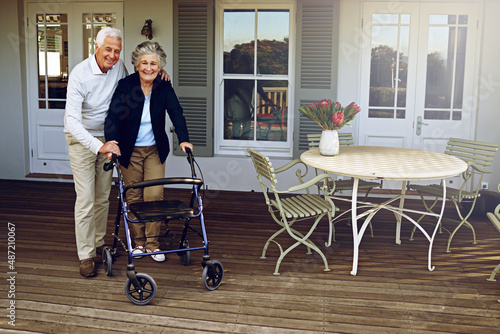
329	142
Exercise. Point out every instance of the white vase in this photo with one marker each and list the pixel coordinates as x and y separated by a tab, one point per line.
329	142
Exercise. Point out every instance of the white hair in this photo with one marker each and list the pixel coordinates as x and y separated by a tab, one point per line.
107	32
146	48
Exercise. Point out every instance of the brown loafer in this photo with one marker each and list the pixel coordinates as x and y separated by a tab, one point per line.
87	268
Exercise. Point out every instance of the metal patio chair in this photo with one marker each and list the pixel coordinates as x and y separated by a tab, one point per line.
479	157
494	217
288	207
265	121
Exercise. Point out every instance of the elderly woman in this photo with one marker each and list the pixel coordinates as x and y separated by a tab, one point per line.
136	120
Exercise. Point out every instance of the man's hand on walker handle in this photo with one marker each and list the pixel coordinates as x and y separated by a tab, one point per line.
110	148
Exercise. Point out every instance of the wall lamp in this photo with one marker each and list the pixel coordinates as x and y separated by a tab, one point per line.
147	29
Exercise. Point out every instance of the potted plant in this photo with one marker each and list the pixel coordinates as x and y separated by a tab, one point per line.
331	116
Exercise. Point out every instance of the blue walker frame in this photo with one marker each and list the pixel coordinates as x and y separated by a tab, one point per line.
141	288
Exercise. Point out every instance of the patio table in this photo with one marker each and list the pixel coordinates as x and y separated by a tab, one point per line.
387	163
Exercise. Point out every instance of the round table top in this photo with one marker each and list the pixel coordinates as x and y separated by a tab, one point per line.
390	163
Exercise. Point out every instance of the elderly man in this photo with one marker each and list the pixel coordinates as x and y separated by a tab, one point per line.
90	88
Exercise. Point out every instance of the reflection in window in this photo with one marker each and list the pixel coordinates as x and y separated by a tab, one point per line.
255	74
92	24
389	65
445	67
52	51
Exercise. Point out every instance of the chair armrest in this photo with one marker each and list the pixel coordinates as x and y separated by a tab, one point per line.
288	166
478	168
298	172
312	182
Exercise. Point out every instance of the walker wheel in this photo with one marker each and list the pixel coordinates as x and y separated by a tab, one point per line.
107	261
213	273
186	255
145	293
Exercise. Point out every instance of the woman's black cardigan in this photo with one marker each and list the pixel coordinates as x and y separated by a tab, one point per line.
125	111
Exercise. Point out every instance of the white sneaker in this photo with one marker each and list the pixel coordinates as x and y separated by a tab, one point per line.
156	257
138	250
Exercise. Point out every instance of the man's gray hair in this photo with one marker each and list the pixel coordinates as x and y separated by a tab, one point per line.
108	32
146	48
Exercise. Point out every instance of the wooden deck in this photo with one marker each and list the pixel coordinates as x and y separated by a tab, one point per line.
392	293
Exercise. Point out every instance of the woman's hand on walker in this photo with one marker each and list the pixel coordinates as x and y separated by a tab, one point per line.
185	144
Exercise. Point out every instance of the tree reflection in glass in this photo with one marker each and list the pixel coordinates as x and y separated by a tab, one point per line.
249	68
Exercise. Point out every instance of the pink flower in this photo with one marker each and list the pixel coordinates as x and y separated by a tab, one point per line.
355	107
324	103
338	118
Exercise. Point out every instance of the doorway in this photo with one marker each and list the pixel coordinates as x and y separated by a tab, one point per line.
62	35
418	69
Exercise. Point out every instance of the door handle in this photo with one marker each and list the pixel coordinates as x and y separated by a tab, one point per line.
419	125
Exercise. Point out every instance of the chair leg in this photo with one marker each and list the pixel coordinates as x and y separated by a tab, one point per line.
304	239
271	238
493	274
463	221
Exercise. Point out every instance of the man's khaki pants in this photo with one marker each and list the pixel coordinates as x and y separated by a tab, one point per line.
92	186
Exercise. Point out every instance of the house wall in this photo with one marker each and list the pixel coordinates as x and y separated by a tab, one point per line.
13	112
488	119
223	173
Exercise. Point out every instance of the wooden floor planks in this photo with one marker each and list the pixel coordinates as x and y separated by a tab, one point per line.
392	293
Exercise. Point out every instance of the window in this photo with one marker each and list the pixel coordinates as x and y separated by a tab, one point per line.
389	65
52	53
254	99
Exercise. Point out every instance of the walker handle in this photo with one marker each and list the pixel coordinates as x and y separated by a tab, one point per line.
109	165
190	159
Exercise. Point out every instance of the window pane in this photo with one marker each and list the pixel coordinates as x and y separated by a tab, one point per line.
383	66
41	60
57	60
92	24
272	42
389	62
52	59
238	109
381	113
442	19
457	115
437	114
405	18
460	68
385	18
446	67
239	38
271	112
439	67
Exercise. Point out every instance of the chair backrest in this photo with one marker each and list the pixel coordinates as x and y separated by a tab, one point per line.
345	138
263	167
481	154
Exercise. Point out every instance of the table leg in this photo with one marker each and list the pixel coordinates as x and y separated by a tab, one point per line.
431	242
356	237
398	216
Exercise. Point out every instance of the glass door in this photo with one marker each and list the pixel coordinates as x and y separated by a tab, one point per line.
65	34
418	66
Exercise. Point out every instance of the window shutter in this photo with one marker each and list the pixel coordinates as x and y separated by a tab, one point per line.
317	34
193	70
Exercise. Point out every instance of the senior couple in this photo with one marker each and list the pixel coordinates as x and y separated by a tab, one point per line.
108	112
